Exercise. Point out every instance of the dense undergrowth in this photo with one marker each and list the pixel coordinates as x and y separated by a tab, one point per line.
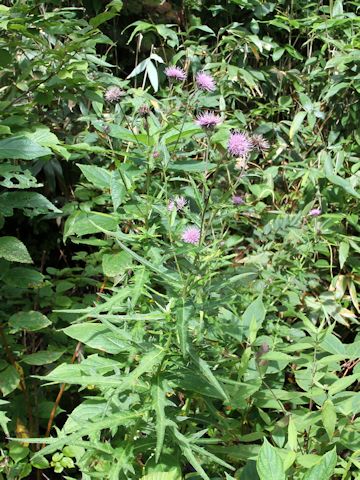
179	249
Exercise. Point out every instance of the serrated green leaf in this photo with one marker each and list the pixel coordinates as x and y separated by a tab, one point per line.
116	264
159	401
208	374
324	469
269	464
98	176
13	250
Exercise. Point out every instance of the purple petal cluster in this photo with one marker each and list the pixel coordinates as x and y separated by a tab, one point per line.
315	212
260	142
177	203
237	200
208	120
204	81
240	144
175	73
113	94
191	235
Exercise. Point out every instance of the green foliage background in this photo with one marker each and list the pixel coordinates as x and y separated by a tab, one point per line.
237	358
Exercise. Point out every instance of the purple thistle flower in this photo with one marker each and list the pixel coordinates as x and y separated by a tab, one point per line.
113	94
144	110
171	206
156	154
205	82
208	120
175	73
237	200
191	235
315	212
240	144
180	203
260	142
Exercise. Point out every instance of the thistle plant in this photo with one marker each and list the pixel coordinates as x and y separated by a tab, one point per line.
198	317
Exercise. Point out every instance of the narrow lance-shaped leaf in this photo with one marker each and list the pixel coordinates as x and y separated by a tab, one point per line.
159	401
296	124
208	374
328	415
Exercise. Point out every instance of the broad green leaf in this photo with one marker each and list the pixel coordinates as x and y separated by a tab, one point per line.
42	358
324	469
30	321
4	420
277	357
334	89
9	380
343	383
117	189
116	264
255	313
337	9
99	336
333	345
296	124
269	464
43	136
328	415
22	277
161	476
31	203
22	148
83	223
13	250
98	176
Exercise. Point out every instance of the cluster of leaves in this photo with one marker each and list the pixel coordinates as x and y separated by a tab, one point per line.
233	357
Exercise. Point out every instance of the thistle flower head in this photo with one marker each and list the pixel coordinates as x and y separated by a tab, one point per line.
156	154
315	212
204	81
171	206
175	73
180	203
177	203
208	120
113	94
240	144
237	200
144	110
260	142
191	235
